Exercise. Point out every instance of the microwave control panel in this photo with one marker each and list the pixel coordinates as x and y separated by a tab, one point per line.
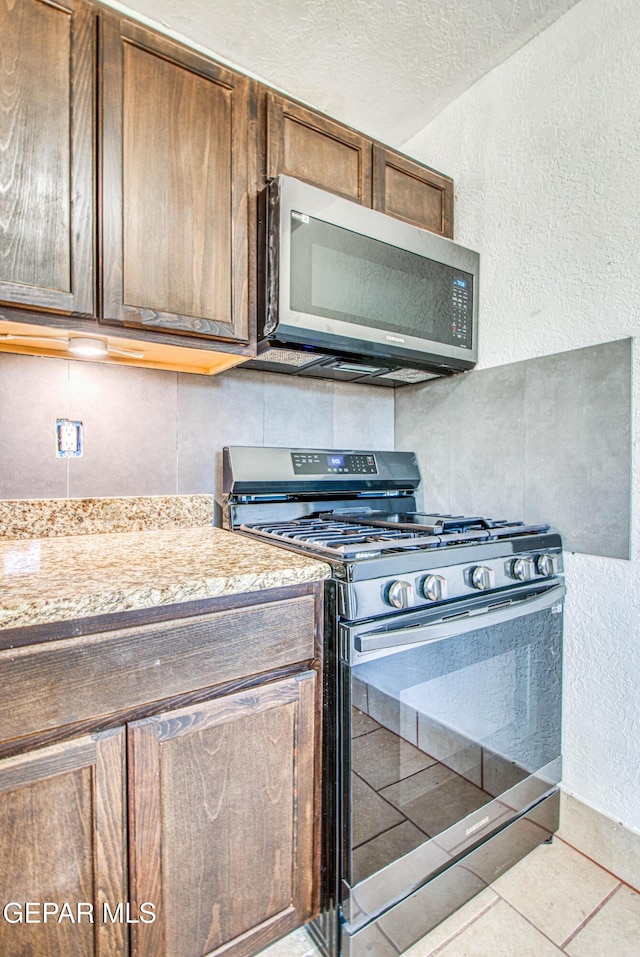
461	318
334	463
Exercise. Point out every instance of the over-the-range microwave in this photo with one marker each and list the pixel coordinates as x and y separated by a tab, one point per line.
350	293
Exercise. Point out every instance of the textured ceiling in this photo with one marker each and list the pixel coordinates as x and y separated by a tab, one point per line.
386	67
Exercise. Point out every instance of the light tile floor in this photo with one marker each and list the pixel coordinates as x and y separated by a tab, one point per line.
555	901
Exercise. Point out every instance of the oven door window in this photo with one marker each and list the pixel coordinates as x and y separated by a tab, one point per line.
339	274
449	739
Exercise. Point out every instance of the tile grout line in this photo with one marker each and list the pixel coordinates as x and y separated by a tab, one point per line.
68	460
573	932
595	863
465	927
177	479
589	917
389	804
525	918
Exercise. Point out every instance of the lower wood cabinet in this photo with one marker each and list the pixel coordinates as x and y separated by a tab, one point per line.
160	795
221	815
63	849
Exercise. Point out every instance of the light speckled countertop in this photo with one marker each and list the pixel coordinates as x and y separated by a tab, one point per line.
59	579
51	517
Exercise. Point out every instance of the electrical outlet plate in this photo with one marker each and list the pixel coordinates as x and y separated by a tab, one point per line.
68	439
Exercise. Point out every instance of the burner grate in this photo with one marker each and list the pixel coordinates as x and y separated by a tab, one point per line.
350	537
343	538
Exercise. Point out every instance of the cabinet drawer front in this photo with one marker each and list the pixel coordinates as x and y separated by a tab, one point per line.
64	682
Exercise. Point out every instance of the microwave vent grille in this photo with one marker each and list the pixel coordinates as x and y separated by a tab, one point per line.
289	357
409	375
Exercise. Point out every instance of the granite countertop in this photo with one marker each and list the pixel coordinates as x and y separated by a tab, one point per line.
45	580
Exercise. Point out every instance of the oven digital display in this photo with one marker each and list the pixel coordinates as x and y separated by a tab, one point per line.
334	463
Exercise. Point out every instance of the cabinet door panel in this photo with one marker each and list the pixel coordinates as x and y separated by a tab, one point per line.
175	226
229	826
62	840
46	155
412	192
316	149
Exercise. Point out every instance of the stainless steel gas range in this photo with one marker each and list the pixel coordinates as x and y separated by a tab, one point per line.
442	685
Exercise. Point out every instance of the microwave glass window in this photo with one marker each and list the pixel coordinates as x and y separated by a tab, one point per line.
339	274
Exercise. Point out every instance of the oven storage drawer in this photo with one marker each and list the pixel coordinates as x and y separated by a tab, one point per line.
399	927
371	897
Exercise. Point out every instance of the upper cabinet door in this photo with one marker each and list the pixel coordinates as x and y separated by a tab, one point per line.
318	150
47	234
412	192
175	158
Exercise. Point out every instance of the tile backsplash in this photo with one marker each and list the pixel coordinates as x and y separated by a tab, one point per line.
149	432
545	440
548	439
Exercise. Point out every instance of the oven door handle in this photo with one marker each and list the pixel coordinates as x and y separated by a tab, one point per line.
448	627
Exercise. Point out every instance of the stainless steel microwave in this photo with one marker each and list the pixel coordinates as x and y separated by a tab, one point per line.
351	293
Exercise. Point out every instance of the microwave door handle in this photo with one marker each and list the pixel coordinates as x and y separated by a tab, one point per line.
448	627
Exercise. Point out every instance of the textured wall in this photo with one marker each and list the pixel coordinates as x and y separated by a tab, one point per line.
148	432
544	152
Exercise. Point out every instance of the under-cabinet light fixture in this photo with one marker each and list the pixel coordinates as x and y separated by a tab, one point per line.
83	346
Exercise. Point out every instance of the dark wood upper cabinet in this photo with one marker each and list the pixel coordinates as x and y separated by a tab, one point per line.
47	104
175	186
63	839
412	192
314	148
129	168
319	150
222	821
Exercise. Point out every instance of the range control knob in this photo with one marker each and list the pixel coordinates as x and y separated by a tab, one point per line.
523	569
482	577
434	587
547	565
399	594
